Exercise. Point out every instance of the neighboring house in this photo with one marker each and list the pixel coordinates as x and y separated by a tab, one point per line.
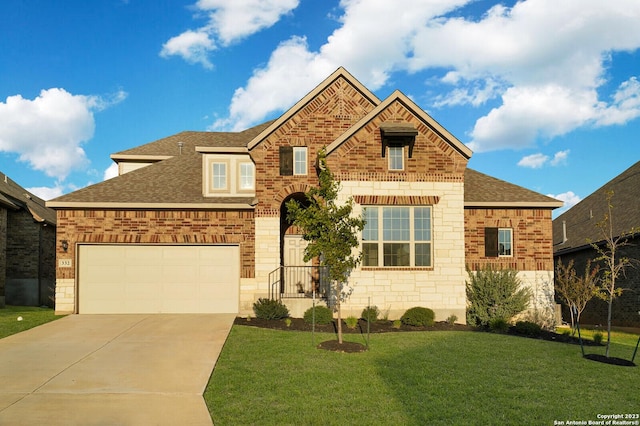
574	230
197	222
27	247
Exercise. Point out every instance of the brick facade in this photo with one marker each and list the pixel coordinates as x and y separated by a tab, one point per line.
532	238
28	259
625	308
150	227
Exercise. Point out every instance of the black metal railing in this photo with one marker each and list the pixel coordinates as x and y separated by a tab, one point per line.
288	282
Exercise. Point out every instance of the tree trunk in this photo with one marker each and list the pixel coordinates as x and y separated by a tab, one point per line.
609	325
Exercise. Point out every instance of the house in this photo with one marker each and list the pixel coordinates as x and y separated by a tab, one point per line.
196	222
576	229
27	247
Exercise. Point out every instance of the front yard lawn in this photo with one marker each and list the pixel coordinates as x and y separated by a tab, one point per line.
31	317
414	378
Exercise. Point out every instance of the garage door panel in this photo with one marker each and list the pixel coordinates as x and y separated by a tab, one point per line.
158	279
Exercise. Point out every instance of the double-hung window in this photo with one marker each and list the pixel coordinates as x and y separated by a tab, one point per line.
396	157
300	160
247	176
498	242
219	176
397	236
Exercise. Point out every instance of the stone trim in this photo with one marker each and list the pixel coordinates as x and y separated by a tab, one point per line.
399	177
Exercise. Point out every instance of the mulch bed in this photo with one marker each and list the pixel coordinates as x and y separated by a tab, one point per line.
298	324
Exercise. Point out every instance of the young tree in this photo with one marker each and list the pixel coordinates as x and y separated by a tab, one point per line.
574	290
614	265
331	231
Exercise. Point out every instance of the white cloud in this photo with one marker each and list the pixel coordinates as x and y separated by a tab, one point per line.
47	193
560	157
110	172
542	61
568	198
537	161
48	131
193	46
534	161
228	22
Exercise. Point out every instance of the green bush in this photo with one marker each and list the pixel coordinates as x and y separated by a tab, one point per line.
418	317
370	313
495	295
397	324
499	325
451	320
269	309
323	315
597	338
351	322
528	328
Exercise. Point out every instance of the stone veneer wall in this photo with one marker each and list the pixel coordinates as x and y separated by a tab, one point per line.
150	227
3	254
532	252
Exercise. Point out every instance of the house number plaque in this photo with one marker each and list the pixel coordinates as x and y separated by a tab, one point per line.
64	263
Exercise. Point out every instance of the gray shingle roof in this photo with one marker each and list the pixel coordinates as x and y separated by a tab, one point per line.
581	219
13	196
169	146
483	190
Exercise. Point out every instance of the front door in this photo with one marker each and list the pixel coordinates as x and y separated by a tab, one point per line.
297	272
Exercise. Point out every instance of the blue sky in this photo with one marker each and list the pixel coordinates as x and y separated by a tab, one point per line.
545	92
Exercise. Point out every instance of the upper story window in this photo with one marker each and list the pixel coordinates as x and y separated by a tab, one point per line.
498	242
397	236
293	160
300	160
228	175
246	177
219	176
396	157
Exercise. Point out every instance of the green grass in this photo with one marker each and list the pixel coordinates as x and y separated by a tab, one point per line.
278	377
31	317
619	337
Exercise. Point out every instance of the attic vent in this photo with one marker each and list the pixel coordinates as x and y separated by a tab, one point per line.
180	145
398	134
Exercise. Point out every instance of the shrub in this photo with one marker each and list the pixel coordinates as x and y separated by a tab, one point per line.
287	322
597	338
370	313
528	328
323	315
452	319
495	295
397	324
418	316
351	322
498	325
269	309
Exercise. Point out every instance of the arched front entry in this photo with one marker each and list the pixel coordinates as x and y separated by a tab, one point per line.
297	278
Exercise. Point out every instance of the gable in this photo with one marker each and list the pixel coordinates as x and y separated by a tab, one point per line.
430	152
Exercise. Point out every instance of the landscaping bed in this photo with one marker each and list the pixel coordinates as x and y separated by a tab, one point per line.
382	326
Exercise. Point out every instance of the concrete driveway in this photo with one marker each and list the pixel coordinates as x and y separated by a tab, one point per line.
111	370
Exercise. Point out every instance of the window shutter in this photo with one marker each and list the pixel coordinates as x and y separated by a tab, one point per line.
491	242
286	161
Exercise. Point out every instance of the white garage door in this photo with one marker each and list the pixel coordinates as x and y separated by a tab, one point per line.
158	279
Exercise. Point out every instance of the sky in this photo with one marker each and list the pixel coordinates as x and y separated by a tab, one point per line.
545	92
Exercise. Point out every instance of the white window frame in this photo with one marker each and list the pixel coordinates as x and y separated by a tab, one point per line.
300	165
214	176
395	154
505	237
375	237
246	177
